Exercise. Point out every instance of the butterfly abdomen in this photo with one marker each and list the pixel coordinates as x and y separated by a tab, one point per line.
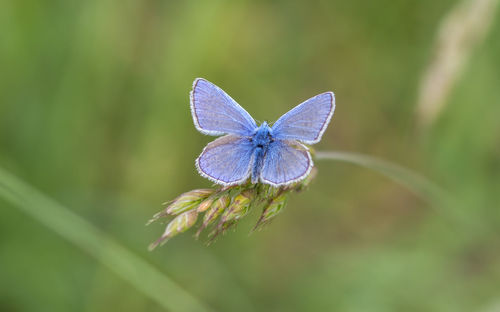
258	161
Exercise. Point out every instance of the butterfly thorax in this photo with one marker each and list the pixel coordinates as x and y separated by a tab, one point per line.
261	140
262	136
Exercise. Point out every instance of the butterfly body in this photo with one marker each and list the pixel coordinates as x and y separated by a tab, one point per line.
272	155
261	141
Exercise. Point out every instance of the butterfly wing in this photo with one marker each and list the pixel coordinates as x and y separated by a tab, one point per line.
307	121
285	162
226	160
215	112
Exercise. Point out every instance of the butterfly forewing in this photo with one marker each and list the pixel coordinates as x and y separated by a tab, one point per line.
307	121
226	160
285	163
215	112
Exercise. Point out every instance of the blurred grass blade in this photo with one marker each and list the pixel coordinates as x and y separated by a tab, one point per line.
416	183
461	31
132	268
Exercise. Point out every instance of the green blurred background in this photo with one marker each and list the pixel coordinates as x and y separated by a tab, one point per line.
94	112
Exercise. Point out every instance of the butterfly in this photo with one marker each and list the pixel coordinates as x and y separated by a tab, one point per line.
274	155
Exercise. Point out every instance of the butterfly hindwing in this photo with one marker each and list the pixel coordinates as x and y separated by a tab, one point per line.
226	160
307	121
285	162
215	112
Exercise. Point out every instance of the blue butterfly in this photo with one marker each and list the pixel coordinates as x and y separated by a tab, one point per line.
272	155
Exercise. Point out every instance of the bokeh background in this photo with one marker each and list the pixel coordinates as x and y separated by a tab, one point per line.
94	112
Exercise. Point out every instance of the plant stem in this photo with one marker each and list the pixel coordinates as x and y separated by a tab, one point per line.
413	181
